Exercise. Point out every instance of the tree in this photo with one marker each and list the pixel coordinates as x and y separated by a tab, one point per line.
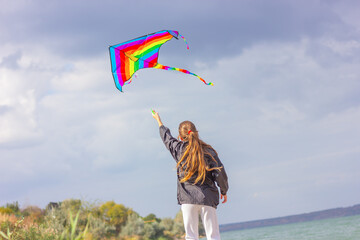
167	224
134	227
71	205
33	211
5	210
178	228
115	214
153	230
11	208
14	207
151	218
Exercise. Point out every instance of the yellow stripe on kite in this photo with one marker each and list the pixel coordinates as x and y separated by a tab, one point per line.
151	44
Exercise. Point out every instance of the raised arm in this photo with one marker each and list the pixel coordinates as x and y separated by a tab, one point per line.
171	143
157	117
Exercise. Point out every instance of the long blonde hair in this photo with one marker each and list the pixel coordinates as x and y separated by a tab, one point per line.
192	161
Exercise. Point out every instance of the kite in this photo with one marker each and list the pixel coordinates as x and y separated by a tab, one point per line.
143	52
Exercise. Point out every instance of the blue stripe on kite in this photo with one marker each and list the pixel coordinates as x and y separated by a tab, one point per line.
149	54
113	60
136	39
116	79
140	38
113	69
141	64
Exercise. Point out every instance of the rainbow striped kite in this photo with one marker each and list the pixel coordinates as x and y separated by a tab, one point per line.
143	52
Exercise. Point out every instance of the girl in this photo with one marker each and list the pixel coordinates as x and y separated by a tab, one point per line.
198	169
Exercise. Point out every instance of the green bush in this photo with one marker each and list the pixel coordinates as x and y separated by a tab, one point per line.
98	228
133	227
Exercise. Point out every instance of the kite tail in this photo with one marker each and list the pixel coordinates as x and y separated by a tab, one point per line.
187	45
159	66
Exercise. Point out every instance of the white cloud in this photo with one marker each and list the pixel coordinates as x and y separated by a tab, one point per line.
343	121
342	47
83	75
18	122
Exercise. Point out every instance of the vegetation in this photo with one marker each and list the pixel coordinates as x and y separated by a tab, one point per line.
75	219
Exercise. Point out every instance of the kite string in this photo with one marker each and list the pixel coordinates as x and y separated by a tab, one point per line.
187	45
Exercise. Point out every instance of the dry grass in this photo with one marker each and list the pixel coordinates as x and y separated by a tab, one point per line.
8	218
26	223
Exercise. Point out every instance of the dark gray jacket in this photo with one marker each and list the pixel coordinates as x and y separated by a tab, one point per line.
201	194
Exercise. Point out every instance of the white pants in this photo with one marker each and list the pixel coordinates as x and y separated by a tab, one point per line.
191	214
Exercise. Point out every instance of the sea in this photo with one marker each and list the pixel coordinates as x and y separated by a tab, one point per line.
341	228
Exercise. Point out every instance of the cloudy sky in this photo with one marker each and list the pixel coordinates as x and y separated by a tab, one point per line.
283	113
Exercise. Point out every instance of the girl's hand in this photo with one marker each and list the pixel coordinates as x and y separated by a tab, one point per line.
225	198
157	117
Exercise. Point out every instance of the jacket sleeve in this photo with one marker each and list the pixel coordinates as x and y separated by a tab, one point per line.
221	178
171	143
